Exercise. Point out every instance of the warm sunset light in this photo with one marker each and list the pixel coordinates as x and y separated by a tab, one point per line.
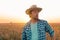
14	10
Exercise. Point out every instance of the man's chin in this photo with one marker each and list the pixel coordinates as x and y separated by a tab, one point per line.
36	18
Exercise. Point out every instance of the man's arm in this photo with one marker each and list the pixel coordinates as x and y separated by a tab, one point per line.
53	37
50	31
24	34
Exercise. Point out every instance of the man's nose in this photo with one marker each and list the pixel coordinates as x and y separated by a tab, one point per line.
36	14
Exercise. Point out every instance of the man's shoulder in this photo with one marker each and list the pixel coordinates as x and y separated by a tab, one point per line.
43	21
26	25
40	21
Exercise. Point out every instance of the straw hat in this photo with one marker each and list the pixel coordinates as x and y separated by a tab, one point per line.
33	7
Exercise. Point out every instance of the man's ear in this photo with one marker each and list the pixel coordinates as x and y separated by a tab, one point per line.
30	16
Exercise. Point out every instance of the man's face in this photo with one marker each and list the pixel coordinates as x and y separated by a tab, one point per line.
34	14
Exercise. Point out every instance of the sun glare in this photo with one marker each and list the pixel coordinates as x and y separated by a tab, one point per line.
14	10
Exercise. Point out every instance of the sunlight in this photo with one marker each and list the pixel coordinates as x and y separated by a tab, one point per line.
14	10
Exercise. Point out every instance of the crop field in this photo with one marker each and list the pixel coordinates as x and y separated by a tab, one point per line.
13	31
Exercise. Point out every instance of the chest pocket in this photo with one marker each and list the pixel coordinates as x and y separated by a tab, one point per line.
41	27
41	30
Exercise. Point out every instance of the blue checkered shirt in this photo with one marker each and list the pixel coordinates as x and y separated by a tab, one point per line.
42	27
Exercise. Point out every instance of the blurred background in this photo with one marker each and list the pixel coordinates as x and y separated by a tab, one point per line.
13	17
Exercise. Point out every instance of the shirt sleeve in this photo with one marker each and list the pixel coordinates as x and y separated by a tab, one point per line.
49	29
24	34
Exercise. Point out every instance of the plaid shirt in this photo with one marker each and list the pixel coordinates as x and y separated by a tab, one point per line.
42	27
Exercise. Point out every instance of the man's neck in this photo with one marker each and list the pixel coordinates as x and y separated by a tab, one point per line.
34	20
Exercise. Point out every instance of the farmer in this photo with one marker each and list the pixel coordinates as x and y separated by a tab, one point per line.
36	28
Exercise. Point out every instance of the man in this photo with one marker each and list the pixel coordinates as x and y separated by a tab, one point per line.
36	28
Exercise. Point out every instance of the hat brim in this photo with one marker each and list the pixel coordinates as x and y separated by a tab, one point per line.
28	11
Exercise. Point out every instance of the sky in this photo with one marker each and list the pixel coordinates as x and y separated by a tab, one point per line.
14	10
